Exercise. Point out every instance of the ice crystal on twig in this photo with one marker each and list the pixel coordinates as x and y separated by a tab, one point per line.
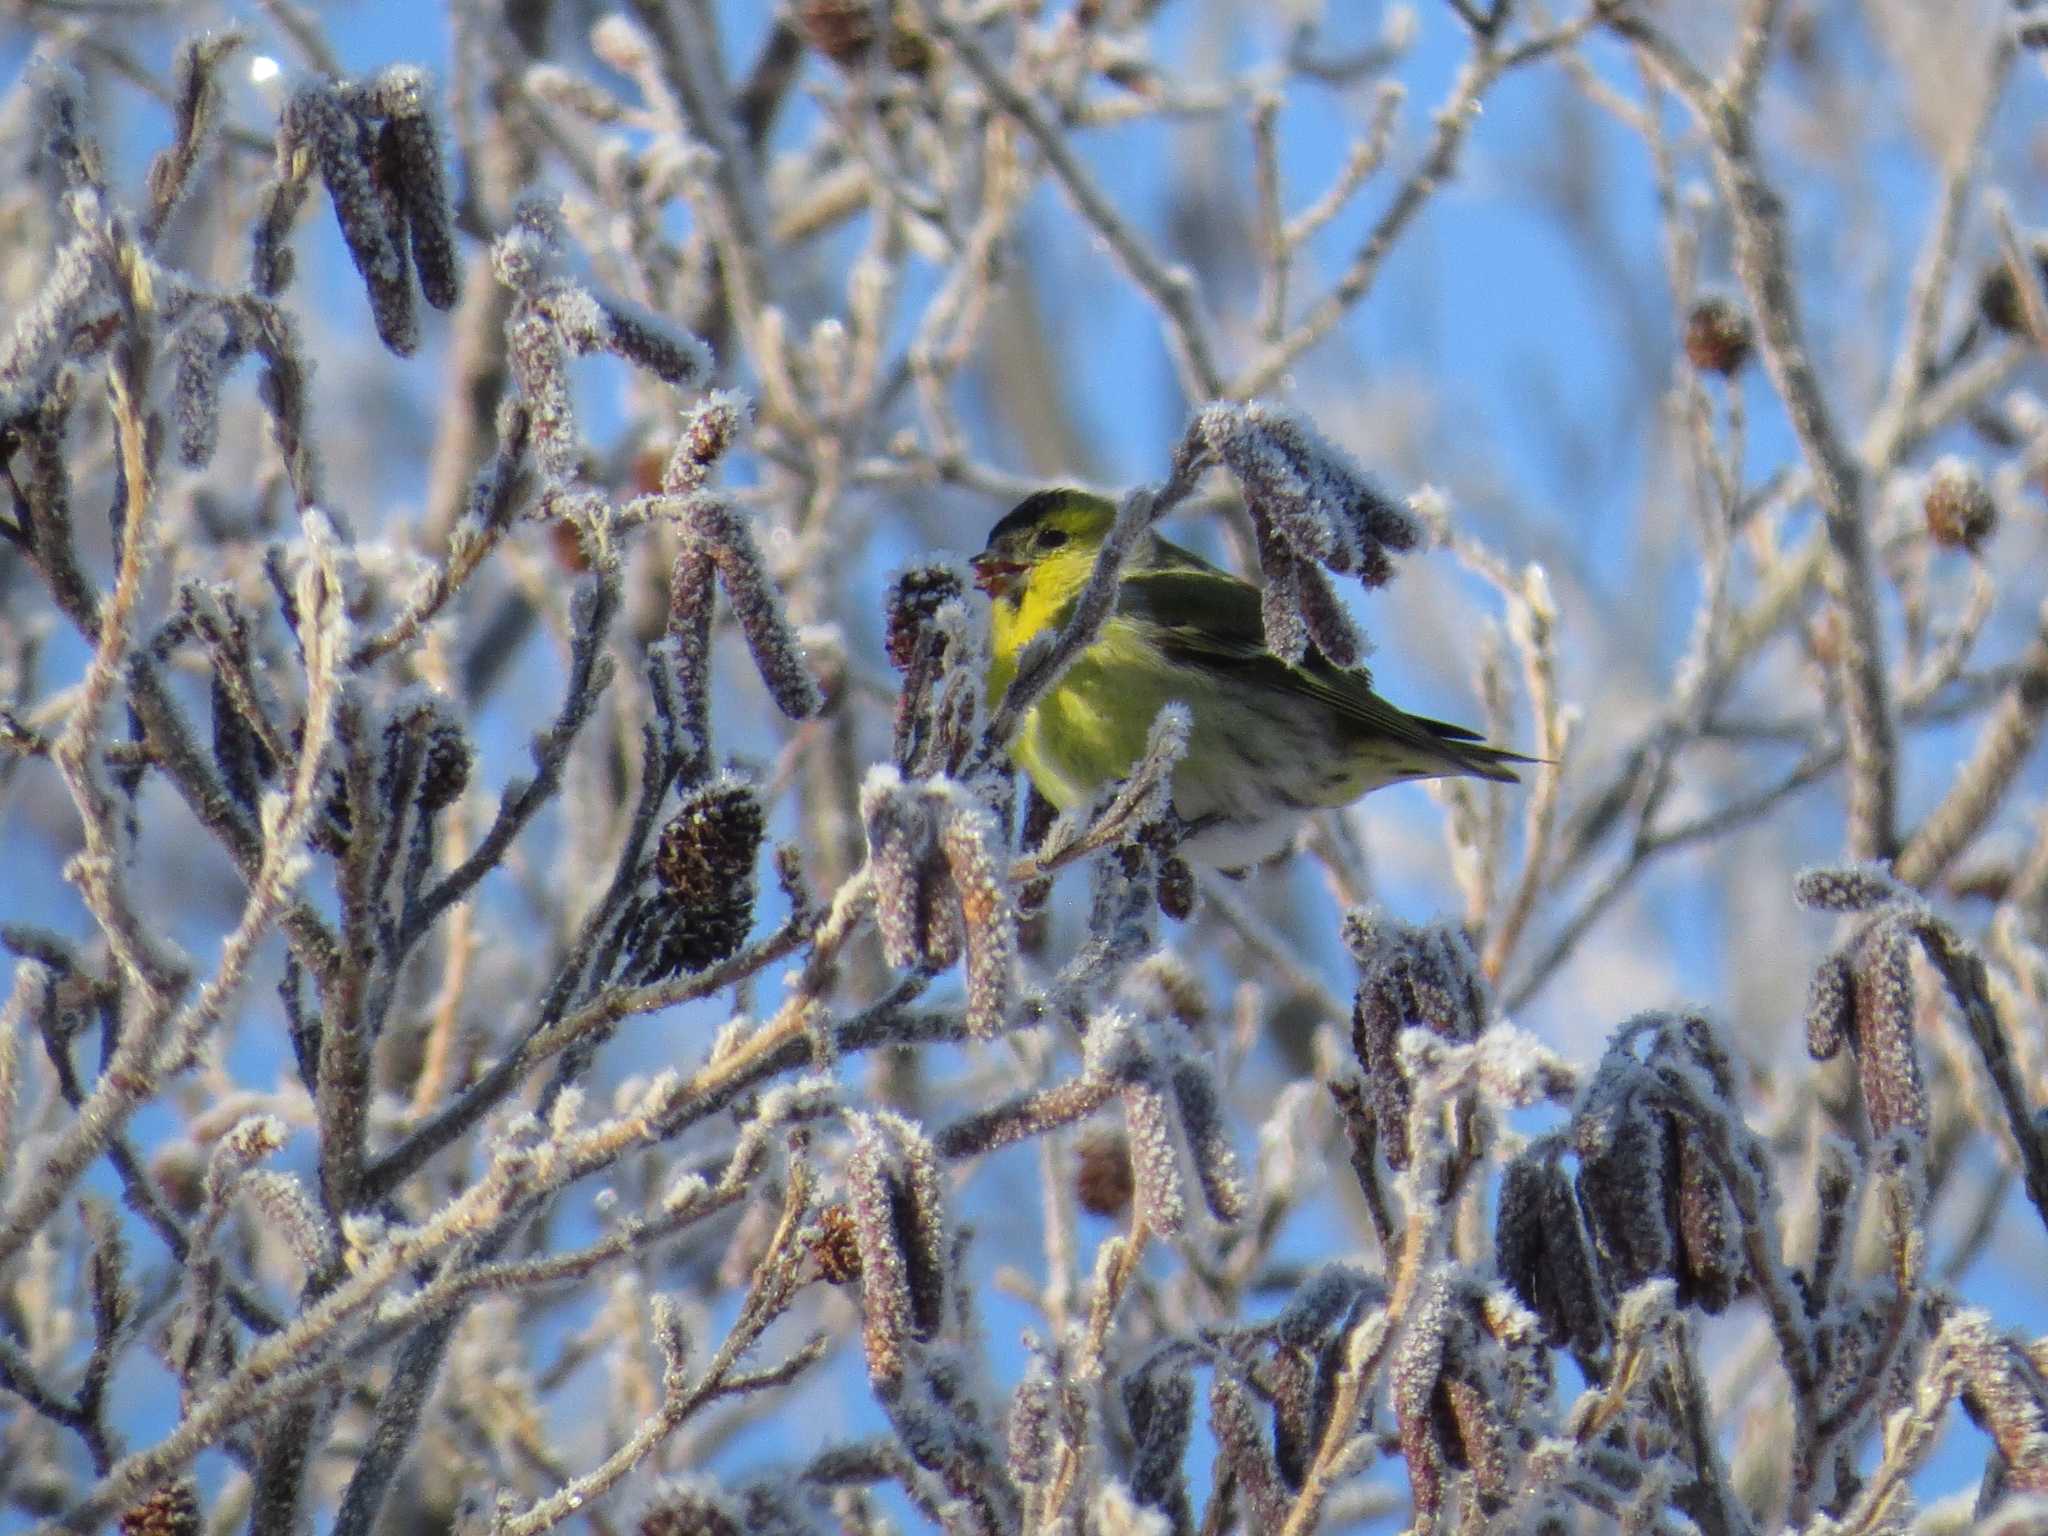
553	316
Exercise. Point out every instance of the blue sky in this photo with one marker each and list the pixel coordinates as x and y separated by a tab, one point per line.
1511	342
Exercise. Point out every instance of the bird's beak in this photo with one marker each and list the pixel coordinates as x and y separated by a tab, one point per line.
996	577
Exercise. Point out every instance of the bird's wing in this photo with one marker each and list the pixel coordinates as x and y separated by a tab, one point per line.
1205	618
1209	620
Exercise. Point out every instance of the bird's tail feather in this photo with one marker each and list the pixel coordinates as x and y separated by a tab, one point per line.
1467	752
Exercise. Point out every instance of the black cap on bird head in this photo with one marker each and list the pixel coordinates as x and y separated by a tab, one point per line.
1039	524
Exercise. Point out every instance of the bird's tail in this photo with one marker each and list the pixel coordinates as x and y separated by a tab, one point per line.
1467	752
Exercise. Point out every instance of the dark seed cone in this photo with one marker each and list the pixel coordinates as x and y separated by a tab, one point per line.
1159	1405
1176	888
1717	337
1958	506
837	1248
844	31
172	1510
1103	1181
445	774
914	597
1998	296
1887	1056
700	904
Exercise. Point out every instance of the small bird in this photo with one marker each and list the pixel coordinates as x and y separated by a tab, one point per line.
1271	741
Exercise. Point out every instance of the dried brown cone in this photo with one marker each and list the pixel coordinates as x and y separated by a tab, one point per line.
837	1246
914	597
844	31
1103	1181
1717	336
178	1169
1176	888
565	542
1958	505
705	865
1998	296
173	1510
445	773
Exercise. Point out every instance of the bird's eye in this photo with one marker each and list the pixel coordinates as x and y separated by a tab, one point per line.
1051	538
